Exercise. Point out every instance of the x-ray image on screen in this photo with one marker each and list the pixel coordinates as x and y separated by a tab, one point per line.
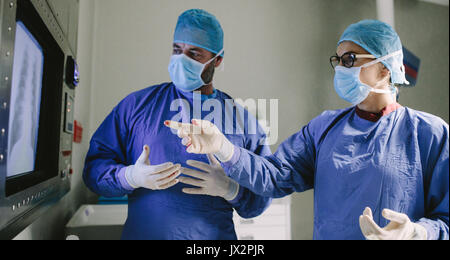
25	103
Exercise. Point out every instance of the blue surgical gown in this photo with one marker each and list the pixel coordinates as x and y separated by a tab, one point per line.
170	214
400	163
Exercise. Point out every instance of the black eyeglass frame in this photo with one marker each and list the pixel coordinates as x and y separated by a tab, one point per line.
353	58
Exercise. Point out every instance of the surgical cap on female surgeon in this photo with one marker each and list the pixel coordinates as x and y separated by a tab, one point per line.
199	28
380	40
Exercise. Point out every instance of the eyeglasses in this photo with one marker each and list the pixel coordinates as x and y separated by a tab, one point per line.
348	59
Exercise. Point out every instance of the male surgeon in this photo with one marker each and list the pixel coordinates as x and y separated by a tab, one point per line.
133	153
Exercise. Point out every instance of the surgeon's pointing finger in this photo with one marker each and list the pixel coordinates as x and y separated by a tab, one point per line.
173	124
177	125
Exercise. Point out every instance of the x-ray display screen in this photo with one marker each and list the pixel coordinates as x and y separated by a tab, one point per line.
25	103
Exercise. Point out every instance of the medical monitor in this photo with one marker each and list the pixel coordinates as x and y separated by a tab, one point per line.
38	77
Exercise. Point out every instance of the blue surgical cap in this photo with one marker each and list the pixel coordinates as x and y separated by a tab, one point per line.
199	28
380	40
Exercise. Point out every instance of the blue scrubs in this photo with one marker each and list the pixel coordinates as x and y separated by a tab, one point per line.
169	214
400	162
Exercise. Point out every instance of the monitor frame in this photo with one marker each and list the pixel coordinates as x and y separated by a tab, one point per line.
46	162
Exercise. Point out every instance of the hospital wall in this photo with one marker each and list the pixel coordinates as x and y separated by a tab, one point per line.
273	50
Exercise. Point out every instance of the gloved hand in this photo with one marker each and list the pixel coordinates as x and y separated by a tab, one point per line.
153	177
211	181
400	227
203	137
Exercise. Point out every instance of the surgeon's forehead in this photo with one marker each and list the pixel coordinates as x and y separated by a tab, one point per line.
348	46
188	47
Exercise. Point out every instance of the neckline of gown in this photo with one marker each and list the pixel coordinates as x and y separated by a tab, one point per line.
375	117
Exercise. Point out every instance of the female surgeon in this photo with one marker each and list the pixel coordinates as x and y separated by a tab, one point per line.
379	170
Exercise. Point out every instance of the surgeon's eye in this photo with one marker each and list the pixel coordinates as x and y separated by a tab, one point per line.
348	60
196	54
177	51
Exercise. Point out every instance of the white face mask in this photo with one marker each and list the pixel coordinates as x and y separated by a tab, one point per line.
349	87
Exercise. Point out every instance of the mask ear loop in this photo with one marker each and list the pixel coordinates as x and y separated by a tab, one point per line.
218	55
222	65
394	90
215	57
382	59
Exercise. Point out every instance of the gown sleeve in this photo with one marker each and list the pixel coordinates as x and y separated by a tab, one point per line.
290	169
248	204
106	159
436	181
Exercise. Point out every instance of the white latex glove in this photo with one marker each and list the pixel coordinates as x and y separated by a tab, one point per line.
400	227
211	181
153	177
203	137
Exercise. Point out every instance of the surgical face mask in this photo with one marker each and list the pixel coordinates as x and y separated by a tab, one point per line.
186	73
349	87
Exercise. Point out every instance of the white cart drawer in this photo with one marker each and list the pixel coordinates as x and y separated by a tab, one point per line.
263	233
265	220
276	209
